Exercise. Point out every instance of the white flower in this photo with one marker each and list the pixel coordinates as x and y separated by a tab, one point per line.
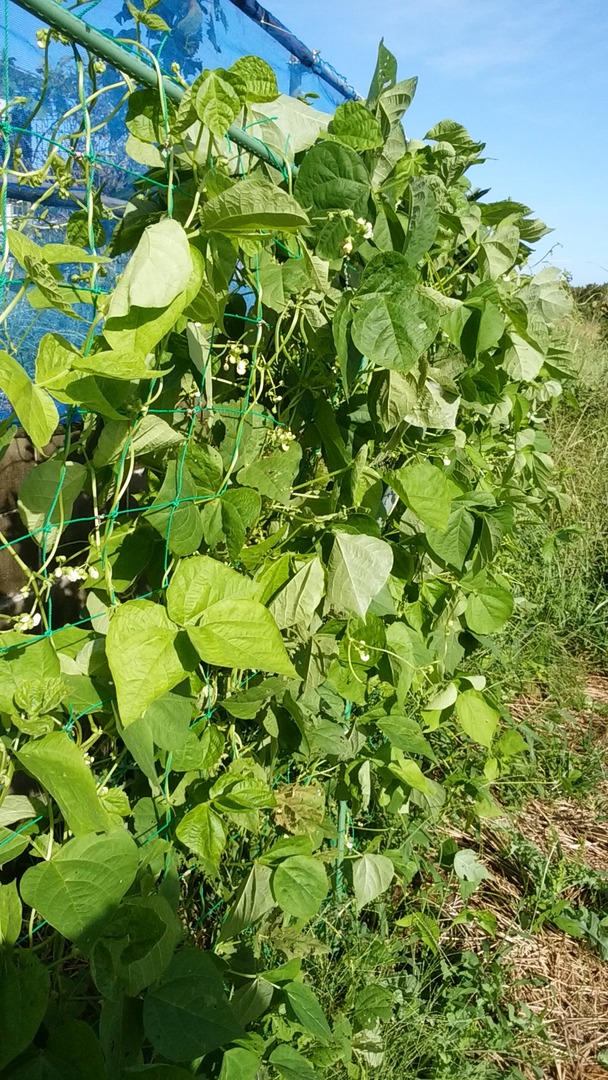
447	461
241	367
94	573
36	619
364	657
347	246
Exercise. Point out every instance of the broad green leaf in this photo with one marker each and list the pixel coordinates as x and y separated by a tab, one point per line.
135	947
257	81
203	832
239	1064
297	602
253	900
144	655
359	567
187	1014
121	1035
468	867
274	475
372	875
24	994
79	889
522	360
488	609
395	100
174	512
292	1065
168	719
499	251
406	735
452	544
307	1008
333	177
476	718
157	272
215	100
47	496
241	634
354	125
200	582
423	219
59	765
299	886
411	774
250	206
35	410
144	117
424	488
395	321
133	335
385	73
10	915
150	435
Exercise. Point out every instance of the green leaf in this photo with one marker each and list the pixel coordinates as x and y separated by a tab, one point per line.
476	718
135	947
395	321
144	117
47	496
79	889
253	900
499	251
157	272
297	602
406	735
215	100
291	1064
24	994
239	1064
423	219
10	915
133	335
307	1008
354	125
257	81
452	544
488	609
274	475
200	582
35	410
522	360
187	1014
468	867
372	875
333	177
59	765
359	567
299	886
385	73
168	719
250	206
425	489
241	634
174	513
144	656
202	831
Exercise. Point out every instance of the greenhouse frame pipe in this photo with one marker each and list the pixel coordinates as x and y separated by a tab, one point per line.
51	13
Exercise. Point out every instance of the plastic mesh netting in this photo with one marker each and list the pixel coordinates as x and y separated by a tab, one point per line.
54	167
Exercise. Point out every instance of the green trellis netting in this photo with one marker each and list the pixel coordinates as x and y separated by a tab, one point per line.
71	171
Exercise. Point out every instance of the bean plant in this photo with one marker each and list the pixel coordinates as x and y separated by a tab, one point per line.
305	417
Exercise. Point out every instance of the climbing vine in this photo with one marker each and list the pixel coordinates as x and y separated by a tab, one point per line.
305	415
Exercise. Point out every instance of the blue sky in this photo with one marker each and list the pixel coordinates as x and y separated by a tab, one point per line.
528	78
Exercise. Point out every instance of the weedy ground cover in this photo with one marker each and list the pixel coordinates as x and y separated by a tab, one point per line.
244	792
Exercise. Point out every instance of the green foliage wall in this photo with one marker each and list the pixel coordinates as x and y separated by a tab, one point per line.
333	375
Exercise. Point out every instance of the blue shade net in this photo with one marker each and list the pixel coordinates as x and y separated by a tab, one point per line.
47	182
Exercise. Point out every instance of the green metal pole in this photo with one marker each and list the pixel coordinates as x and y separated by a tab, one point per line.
56	16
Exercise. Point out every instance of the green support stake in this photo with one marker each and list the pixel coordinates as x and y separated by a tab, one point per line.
57	17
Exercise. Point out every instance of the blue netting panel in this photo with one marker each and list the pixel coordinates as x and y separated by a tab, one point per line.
204	33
